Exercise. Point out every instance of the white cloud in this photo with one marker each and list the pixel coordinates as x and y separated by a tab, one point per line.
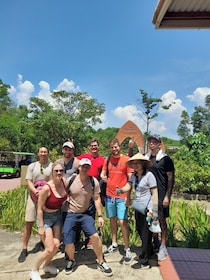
132	113
104	123
171	117
22	92
129	112
169	98
68	86
65	85
165	124
199	95
44	92
25	90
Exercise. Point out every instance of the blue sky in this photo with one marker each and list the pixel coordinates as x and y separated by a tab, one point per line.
108	48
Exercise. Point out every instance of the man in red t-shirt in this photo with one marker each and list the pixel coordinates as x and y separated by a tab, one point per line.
96	159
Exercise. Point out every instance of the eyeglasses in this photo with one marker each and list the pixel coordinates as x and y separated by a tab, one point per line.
41	169
58	170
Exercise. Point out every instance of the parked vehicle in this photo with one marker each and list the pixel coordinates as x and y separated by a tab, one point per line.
11	162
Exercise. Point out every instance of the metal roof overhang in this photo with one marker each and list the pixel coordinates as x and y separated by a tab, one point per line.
182	14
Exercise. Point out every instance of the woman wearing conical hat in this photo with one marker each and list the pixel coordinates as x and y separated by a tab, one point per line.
144	185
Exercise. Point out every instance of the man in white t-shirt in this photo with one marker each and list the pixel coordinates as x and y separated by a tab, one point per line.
36	171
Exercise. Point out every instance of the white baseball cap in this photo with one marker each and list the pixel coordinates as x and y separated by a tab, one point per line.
68	144
84	161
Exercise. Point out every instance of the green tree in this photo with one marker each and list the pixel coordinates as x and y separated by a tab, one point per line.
192	163
26	130
184	126
9	129
5	100
198	122
149	109
68	115
150	106
201	118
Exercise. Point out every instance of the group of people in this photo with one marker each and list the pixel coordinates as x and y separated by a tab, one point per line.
70	197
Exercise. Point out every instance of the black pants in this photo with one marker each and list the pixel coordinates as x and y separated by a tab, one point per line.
145	235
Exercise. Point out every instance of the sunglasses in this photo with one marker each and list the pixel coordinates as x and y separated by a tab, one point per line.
58	170
41	169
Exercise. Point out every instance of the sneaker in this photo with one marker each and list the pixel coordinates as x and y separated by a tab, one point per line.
105	269
110	249
141	266
23	256
163	253
50	269
145	266
128	257
70	266
34	275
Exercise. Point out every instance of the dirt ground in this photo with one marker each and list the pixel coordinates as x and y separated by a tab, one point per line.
10	244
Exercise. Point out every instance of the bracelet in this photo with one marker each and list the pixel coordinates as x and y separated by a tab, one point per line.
100	216
40	226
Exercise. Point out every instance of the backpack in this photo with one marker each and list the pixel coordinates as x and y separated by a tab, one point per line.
91	208
103	184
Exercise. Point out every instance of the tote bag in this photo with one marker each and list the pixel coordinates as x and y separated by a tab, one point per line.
137	205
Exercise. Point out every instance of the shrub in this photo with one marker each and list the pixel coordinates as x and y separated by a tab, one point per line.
12	208
188	224
190	177
192	225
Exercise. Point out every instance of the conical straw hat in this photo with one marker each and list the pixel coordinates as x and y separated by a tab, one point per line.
140	157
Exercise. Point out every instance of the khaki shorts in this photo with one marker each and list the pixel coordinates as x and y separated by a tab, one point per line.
31	210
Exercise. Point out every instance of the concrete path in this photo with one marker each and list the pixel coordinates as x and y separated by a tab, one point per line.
9	184
10	269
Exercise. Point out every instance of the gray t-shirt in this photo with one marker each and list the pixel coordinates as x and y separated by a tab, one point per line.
142	188
36	171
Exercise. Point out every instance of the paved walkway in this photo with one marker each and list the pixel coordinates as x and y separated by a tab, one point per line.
9	184
10	269
181	264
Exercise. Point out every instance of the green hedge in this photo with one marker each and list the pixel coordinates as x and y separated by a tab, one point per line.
188	225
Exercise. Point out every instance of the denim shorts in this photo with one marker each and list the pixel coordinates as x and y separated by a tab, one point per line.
51	219
74	222
115	207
